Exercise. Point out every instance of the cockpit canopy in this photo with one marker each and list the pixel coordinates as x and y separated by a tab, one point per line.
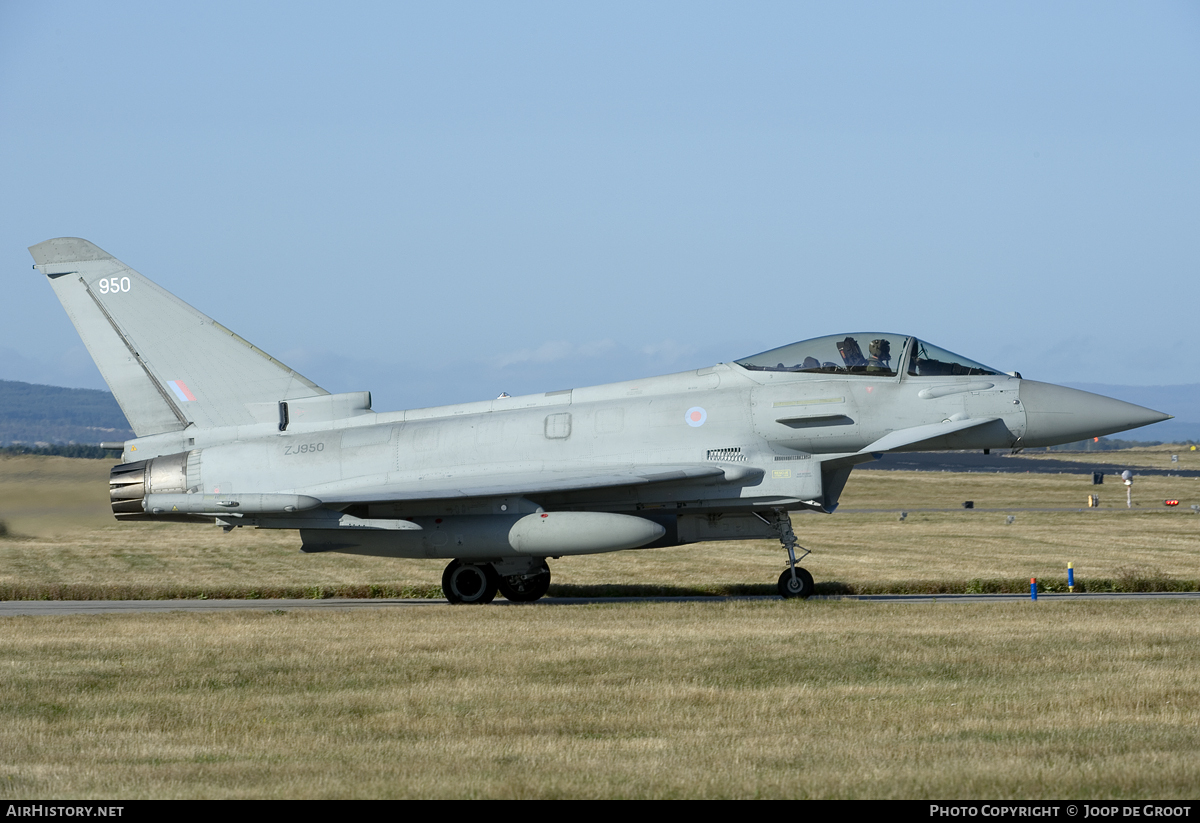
875	354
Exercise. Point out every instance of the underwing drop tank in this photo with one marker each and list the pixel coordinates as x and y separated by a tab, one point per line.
541	534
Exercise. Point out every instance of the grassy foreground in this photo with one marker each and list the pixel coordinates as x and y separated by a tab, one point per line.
734	699
64	544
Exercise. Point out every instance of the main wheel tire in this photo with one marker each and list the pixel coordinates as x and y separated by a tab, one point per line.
525	588
469	584
802	586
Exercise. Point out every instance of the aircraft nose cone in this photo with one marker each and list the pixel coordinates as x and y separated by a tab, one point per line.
1056	414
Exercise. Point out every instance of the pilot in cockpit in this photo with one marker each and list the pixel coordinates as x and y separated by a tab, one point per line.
881	356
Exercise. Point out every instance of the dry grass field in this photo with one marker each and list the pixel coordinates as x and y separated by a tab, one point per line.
734	699
1076	699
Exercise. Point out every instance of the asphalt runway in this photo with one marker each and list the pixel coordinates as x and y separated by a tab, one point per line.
14	608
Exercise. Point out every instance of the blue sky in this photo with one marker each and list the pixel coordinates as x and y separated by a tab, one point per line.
442	201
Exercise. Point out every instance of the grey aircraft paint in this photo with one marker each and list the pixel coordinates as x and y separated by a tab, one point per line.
229	435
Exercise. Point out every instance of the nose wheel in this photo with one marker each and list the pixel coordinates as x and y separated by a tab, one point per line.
800	584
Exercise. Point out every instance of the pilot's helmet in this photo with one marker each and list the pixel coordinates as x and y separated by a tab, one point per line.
881	349
811	362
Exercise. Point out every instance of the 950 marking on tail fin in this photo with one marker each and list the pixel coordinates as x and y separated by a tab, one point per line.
113	285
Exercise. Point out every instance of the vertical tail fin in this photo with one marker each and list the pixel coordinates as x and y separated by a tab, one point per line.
168	365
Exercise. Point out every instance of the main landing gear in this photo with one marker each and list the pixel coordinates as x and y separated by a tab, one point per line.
527	587
478	583
795	581
470	583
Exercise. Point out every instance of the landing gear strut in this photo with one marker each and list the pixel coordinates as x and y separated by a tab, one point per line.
469	583
795	581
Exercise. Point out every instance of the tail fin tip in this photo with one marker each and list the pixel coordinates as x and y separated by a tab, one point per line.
168	364
66	250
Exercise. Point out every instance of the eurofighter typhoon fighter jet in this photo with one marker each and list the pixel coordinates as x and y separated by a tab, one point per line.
227	434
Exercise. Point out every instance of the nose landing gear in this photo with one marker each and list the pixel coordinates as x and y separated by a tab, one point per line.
795	581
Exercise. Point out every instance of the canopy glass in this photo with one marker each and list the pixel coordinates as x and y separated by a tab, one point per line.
871	353
877	354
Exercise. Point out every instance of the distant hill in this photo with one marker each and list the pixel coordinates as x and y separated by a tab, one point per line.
30	413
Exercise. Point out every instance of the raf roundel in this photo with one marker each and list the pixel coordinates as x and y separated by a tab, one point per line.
695	417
